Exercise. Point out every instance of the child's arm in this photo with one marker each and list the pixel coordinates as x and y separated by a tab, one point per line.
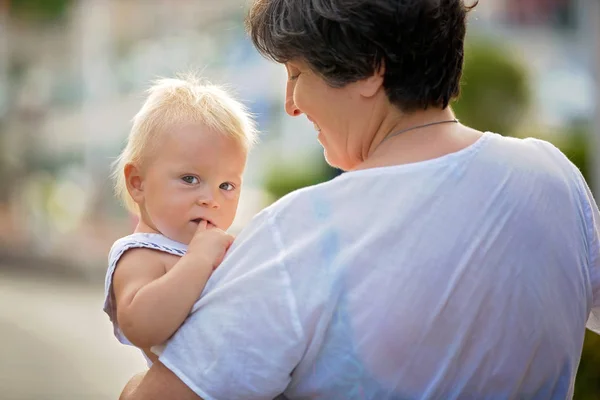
152	304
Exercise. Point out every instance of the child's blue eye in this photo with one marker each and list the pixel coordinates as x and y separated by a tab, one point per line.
226	186
190	179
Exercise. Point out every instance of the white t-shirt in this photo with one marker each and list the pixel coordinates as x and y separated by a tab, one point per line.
470	276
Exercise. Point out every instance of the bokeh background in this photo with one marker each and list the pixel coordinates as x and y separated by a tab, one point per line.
72	75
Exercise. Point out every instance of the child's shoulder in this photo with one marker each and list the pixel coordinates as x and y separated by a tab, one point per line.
151	241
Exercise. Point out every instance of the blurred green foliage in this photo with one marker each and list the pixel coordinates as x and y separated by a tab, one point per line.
587	384
283	177
39	10
575	145
495	93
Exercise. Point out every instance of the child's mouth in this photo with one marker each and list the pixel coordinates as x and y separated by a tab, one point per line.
198	220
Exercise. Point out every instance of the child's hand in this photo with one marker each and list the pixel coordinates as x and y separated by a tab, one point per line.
209	243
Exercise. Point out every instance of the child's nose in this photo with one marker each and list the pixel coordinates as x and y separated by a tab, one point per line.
207	199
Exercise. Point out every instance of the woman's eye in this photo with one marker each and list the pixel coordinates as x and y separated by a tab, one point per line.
190	179
226	186
294	77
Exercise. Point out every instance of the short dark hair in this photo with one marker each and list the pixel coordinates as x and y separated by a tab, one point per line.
419	42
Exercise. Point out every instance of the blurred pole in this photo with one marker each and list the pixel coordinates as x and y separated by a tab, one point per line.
95	40
4	54
4	95
590	17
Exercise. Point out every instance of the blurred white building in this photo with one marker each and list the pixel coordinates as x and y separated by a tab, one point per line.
68	90
74	86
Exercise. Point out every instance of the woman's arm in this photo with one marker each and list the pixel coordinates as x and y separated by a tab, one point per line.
158	383
152	304
245	335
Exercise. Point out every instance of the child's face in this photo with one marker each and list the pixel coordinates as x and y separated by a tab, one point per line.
194	174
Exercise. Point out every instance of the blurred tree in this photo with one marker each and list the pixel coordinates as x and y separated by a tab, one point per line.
39	10
575	145
587	384
283	178
495	95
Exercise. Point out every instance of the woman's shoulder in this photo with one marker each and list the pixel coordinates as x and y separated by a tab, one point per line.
299	200
532	155
493	156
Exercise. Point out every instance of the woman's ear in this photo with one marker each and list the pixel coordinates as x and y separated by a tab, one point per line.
369	86
135	182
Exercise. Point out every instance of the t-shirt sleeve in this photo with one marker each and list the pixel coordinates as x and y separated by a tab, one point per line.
243	337
593	233
591	225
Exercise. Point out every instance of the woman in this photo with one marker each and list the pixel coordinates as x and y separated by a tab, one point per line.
446	263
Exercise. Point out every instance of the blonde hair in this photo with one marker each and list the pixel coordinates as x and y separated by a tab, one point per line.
182	100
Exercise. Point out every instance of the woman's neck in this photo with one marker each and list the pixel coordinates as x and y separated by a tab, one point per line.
421	138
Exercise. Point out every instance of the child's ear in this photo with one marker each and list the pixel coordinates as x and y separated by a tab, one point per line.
135	182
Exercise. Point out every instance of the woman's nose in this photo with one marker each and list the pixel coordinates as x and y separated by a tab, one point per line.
290	106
